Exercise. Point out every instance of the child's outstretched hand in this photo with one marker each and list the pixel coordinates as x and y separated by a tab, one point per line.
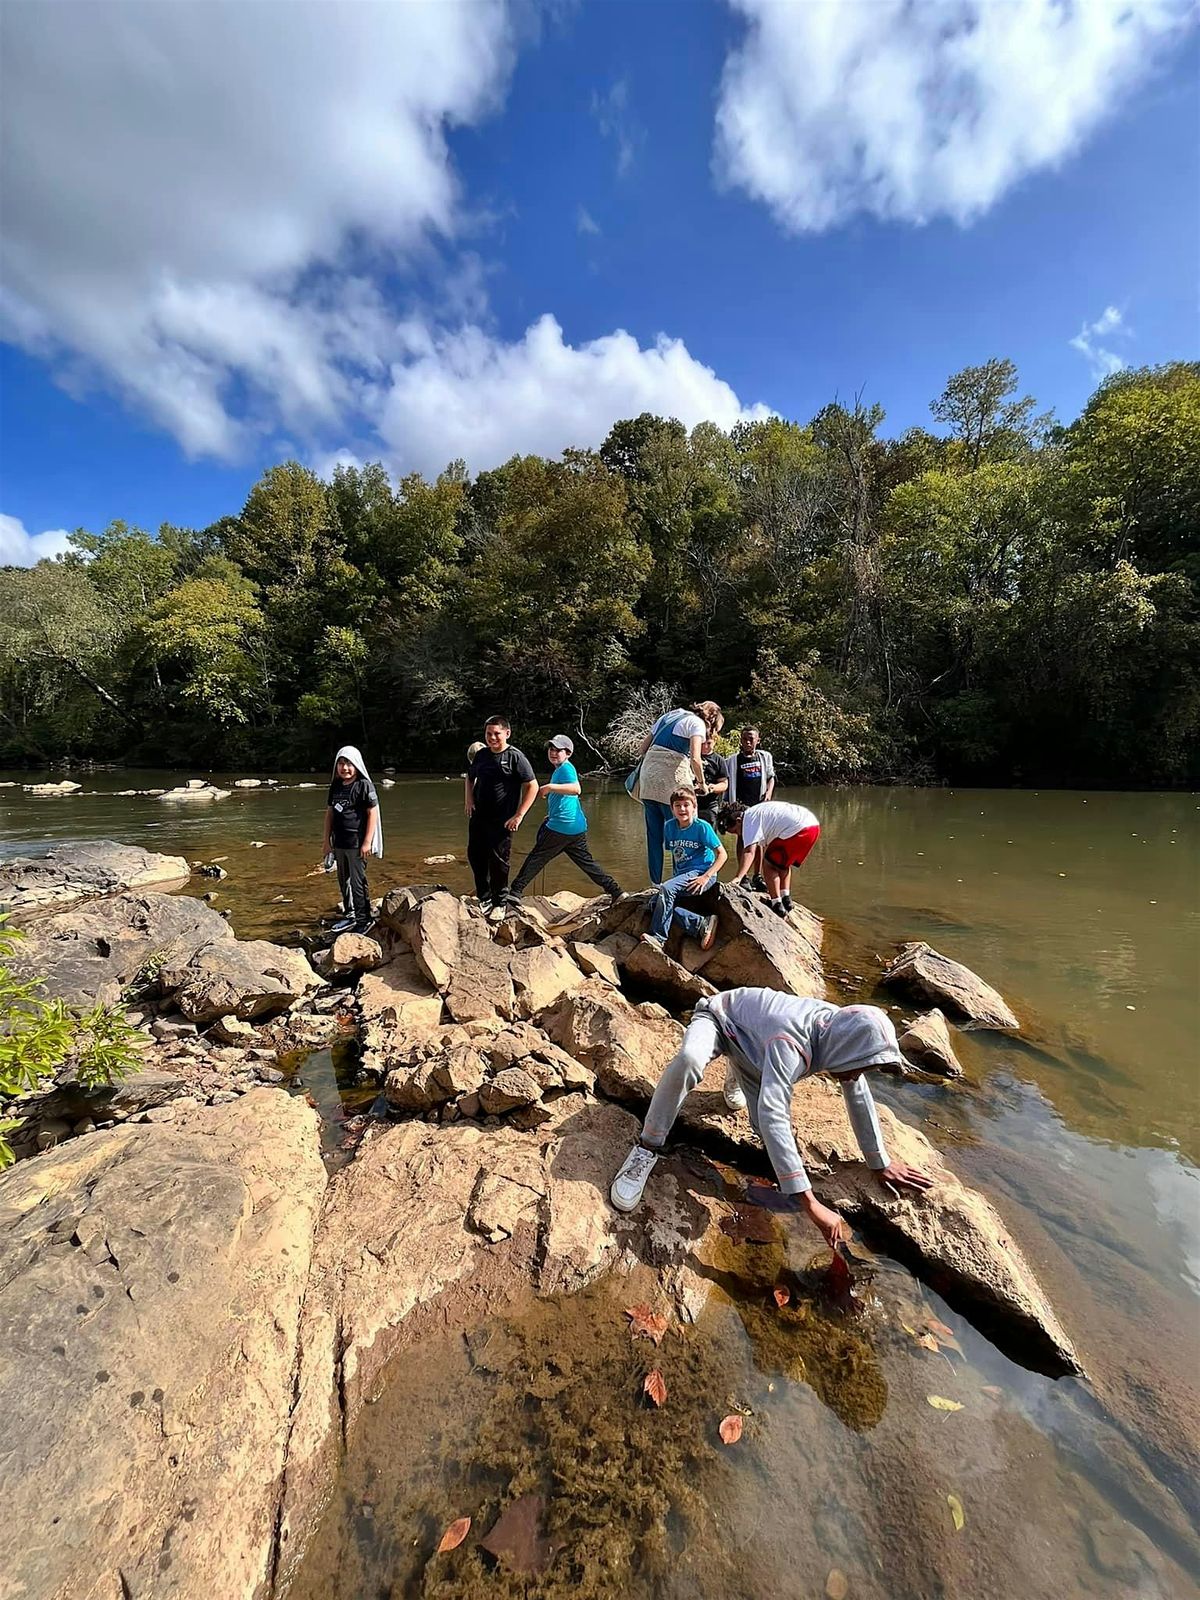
832	1225
899	1175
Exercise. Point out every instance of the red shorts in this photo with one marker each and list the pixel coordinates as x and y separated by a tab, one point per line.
784	854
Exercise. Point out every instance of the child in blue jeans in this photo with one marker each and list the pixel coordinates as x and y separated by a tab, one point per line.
697	856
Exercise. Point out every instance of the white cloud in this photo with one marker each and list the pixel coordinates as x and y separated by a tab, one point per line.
21	549
585	222
617	122
465	393
182	180
1103	362
903	111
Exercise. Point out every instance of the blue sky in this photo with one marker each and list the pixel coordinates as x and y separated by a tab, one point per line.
218	253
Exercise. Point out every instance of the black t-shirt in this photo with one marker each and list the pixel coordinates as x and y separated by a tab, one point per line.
713	767
497	781
751	781
350	803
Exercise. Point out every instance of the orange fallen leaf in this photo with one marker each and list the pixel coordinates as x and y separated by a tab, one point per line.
655	1387
730	1430
454	1535
782	1294
940	1328
650	1324
837	1585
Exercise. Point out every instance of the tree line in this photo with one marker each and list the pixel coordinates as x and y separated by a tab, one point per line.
1005	600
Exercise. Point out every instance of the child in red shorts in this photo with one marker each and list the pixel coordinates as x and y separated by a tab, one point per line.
787	833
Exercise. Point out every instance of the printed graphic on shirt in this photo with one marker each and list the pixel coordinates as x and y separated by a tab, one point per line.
691	849
751	783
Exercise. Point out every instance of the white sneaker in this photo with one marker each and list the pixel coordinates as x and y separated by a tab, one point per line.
654	941
496	911
734	1094
630	1182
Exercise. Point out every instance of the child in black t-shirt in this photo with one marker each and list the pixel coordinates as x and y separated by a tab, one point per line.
353	832
500	788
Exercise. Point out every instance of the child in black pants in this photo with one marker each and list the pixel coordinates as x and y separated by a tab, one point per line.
564	831
353	832
500	788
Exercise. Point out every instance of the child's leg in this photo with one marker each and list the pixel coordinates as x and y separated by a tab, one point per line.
680	1077
580	853
478	853
657	816
341	860
360	899
664	905
546	846
774	878
499	858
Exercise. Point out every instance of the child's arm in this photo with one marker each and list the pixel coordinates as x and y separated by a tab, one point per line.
775	1130
528	796
710	873
864	1119
561	788
469	802
770	788
364	848
327	845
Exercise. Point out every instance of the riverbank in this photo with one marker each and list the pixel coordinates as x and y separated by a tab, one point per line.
511	1211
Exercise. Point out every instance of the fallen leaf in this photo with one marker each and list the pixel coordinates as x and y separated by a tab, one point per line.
927	1342
517	1538
782	1294
650	1324
990	1388
940	1403
730	1430
655	1386
454	1535
837	1585
956	1511
940	1328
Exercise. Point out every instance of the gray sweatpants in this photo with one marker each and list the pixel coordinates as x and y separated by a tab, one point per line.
352	881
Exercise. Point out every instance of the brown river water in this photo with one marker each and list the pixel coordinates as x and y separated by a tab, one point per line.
1083	909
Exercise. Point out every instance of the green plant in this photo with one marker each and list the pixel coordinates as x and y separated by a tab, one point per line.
39	1037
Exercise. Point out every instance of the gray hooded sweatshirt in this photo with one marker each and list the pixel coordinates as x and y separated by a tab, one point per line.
776	1040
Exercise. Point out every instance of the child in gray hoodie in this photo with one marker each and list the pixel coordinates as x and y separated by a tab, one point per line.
774	1040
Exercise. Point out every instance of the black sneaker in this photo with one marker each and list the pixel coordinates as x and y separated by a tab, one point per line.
777	906
758	883
786	901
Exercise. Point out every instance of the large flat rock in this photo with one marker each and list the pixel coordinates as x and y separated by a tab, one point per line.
73	872
925	973
90	953
151	1280
249	979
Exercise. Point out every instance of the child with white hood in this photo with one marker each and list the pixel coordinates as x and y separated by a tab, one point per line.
775	1040
353	832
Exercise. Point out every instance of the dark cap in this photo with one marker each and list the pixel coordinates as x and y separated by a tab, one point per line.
560	742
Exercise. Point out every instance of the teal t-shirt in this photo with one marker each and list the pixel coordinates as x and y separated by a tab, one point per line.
564	814
691	849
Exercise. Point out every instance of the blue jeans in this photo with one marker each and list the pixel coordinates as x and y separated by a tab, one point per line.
658	814
664	908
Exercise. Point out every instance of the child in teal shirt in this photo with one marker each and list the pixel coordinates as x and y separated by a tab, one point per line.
564	831
697	856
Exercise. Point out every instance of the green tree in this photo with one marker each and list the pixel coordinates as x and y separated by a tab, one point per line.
984	420
203	637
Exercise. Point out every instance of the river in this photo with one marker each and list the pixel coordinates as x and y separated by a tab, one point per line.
1083	910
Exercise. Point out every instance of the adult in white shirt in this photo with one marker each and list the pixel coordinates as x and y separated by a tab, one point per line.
669	760
786	834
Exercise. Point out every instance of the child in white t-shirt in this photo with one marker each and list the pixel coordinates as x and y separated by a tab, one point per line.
786	834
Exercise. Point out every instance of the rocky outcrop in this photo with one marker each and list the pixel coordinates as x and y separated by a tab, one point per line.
921	971
195	789
758	949
73	872
91	953
349	953
151	1282
926	1042
47	790
234	978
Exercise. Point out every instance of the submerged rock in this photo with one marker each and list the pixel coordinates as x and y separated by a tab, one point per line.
195	789
151	1281
926	1042
74	872
921	971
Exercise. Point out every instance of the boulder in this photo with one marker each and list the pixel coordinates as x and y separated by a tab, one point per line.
151	1283
69	1102
394	1001
480	984
626	1046
757	949
226	977
596	961
77	871
921	971
926	1042
65	787
195	789
431	929
349	953
90	953
540	975
233	1031
510	1088
653	971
